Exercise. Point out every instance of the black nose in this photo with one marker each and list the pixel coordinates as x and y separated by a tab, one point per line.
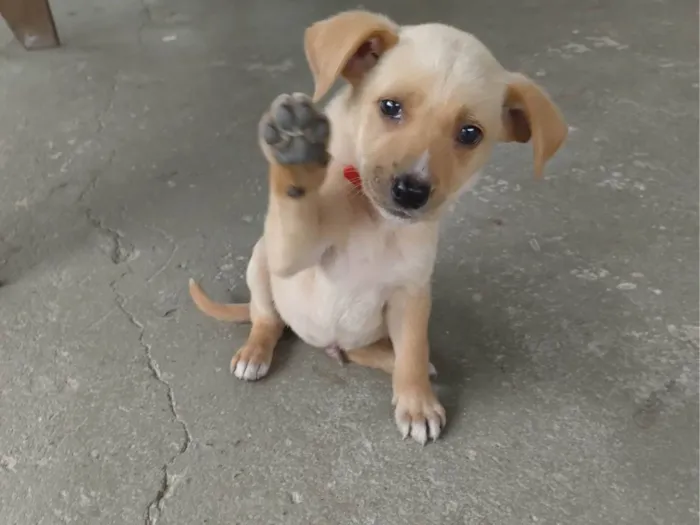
409	192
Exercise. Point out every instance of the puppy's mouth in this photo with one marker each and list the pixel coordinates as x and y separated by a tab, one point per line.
395	215
392	213
388	211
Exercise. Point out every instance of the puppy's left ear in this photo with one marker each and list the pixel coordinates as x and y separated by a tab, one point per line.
347	44
529	114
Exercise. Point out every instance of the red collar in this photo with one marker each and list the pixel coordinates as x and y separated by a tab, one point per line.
352	176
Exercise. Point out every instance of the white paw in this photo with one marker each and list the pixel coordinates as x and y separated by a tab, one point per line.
251	362
419	415
249	371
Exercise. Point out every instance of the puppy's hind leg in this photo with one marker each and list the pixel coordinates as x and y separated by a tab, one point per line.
252	360
379	355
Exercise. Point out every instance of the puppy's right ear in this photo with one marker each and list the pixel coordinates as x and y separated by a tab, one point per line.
348	44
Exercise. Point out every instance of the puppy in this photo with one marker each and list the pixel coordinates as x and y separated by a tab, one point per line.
357	190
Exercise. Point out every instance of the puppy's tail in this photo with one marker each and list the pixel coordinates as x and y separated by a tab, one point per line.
236	313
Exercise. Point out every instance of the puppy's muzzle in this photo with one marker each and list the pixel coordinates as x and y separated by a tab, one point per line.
410	192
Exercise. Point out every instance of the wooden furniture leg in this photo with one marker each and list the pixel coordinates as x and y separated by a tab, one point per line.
31	21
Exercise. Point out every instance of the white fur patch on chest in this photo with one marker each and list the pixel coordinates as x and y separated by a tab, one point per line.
341	301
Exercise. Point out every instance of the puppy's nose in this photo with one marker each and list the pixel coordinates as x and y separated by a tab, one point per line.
410	192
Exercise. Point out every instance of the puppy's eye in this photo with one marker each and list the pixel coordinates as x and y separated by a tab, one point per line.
390	108
469	135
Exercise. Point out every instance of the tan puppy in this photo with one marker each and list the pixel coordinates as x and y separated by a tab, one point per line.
346	261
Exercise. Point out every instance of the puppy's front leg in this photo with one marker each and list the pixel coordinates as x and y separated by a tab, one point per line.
294	137
418	412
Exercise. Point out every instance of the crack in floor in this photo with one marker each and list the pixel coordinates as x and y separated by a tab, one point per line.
169	481
173	250
120	249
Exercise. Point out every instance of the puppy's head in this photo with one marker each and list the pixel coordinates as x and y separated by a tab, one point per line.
426	105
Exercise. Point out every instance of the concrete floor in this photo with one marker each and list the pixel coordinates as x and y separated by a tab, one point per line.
566	311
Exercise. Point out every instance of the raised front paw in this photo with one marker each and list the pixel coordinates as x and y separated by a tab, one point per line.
418	413
295	131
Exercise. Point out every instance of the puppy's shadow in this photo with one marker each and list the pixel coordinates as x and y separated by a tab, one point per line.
283	352
466	338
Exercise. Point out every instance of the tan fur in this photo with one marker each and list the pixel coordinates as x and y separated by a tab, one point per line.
235	313
532	115
337	265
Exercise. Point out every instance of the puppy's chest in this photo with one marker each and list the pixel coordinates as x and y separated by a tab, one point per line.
343	298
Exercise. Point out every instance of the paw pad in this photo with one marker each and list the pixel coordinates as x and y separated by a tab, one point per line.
295	131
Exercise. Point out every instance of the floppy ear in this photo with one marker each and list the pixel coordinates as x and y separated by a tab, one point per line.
347	44
529	114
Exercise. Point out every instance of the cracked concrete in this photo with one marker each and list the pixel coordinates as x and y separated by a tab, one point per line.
565	329
168	484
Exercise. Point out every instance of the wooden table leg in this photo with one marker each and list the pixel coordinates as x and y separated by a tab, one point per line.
31	21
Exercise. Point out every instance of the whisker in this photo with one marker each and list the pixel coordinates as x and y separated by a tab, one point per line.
354	191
